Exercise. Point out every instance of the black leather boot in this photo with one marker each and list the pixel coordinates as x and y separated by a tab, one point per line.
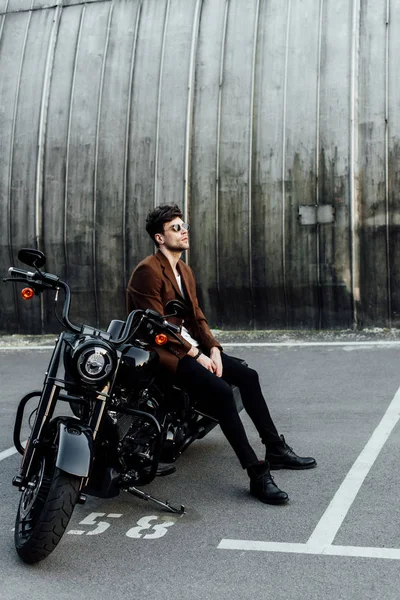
282	456
262	485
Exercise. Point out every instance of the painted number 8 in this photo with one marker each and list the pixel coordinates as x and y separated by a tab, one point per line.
159	529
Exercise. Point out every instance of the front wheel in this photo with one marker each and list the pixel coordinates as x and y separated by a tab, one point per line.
44	512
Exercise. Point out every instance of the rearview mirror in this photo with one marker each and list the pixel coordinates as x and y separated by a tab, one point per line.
31	257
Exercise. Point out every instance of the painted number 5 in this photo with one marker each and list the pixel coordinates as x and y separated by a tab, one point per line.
100	526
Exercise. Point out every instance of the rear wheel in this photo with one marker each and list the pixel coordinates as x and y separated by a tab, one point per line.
44	511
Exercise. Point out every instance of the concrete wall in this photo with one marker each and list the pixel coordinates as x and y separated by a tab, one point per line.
275	124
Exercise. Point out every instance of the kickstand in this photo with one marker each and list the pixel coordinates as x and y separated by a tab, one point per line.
135	492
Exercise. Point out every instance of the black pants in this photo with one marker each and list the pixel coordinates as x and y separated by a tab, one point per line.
215	398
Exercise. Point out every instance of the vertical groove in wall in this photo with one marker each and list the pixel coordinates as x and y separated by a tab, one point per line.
221	81
159	104
4	14
126	155
251	124
284	162
189	113
10	168
71	102
354	171
41	139
1	35
96	160
387	212
317	152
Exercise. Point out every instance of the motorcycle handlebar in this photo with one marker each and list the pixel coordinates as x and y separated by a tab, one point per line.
173	328
40	276
128	326
45	281
152	317
67	304
54	282
20	272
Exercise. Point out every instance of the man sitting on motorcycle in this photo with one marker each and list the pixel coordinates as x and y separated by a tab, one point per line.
198	362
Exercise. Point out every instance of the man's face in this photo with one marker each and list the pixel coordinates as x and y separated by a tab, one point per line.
173	240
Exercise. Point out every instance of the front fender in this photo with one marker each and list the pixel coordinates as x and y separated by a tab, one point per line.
75	448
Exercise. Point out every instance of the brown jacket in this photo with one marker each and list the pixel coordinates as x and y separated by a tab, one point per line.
152	285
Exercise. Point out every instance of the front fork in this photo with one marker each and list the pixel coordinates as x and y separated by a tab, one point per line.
69	430
45	410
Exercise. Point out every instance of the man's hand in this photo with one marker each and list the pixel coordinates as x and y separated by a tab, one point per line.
203	360
215	355
212	364
206	362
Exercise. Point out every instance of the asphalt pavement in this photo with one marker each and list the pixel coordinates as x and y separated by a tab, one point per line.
338	538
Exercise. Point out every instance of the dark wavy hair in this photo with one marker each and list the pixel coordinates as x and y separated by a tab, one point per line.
162	214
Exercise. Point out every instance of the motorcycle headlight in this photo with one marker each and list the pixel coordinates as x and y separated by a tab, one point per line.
94	361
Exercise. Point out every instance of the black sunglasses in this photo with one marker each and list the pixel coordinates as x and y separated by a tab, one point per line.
178	226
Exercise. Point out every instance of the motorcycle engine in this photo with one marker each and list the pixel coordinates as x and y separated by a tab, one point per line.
137	433
125	422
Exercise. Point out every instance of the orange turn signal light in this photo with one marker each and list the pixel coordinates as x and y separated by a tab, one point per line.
161	339
27	293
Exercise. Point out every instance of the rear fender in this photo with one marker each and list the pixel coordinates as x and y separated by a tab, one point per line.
75	448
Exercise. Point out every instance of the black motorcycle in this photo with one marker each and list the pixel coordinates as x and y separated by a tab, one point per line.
123	421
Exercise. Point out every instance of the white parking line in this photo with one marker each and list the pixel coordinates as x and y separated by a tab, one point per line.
8	348
321	540
10	451
330	522
306	344
7	453
354	551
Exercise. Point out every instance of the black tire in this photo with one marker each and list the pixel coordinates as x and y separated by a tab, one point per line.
44	512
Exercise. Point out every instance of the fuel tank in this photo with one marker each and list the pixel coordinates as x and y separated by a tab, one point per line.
138	365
